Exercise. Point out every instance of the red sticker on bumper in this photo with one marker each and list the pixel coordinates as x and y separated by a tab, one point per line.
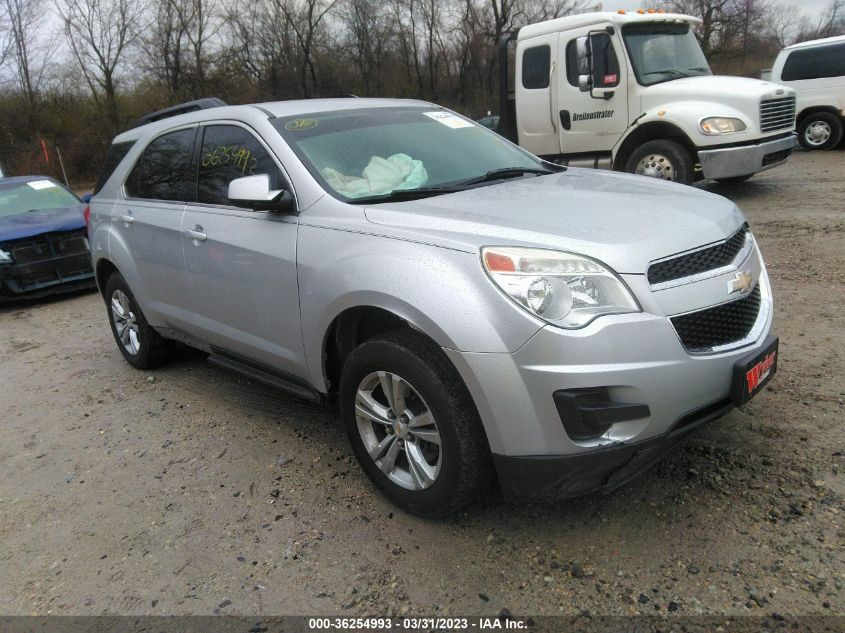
758	373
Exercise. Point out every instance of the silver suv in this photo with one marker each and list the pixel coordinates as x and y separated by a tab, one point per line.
472	309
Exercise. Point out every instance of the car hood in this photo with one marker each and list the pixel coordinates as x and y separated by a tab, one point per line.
708	87
16	227
622	220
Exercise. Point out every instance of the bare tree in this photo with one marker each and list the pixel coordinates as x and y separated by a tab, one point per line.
305	17
199	24
99	32
366	40
25	20
163	46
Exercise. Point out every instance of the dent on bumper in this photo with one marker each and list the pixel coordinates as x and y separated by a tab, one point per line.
732	162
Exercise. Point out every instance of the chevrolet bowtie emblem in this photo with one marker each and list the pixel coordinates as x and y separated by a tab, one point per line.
740	283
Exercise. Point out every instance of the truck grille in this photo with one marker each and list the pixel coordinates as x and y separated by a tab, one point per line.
721	325
777	114
701	261
49	258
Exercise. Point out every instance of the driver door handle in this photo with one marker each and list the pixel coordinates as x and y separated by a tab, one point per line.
196	234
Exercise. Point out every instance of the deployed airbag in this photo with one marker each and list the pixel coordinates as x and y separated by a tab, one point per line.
380	176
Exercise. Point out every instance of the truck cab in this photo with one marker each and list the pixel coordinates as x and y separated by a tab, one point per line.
632	91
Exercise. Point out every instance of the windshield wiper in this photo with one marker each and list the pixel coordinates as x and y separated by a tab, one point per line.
400	195
667	71
507	172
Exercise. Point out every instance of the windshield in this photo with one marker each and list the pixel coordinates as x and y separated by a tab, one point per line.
35	195
663	51
362	155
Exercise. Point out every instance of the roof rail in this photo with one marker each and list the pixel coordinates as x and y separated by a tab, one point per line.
182	108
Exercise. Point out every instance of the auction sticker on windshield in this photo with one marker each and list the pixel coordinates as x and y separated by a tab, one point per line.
448	119
41	184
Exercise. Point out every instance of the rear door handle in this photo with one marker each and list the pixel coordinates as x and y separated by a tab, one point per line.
196	234
126	218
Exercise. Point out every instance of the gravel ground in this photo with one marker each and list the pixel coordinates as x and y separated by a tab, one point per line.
193	491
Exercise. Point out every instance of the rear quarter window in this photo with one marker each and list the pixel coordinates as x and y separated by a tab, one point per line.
820	62
117	152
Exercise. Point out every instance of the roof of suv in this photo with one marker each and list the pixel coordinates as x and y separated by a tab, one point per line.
821	42
271	109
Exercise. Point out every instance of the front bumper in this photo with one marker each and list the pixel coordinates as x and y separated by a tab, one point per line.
732	162
633	359
549	478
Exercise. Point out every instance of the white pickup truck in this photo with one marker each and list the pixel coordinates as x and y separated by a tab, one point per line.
632	91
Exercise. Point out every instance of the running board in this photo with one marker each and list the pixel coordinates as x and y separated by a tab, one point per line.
268	376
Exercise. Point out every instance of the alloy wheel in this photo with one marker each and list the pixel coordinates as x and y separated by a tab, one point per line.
125	322
398	430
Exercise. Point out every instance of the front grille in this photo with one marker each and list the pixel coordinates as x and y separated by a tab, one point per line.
721	325
701	261
49	258
777	114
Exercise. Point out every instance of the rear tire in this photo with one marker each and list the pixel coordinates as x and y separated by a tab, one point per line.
662	159
430	457
820	130
140	344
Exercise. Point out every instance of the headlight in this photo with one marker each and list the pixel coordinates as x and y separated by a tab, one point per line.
721	125
5	258
564	289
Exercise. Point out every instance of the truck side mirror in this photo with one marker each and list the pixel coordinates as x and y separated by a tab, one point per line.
585	83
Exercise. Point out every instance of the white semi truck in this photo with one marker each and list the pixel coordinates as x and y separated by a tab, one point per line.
632	91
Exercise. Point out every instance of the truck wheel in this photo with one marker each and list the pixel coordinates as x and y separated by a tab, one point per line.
663	159
140	344
820	130
413	426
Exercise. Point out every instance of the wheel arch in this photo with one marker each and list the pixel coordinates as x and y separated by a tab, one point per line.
810	110
651	131
355	324
104	269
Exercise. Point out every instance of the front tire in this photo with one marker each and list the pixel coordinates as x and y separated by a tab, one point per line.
413	426
662	159
820	130
140	344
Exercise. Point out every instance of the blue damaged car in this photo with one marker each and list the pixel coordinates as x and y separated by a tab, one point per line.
43	239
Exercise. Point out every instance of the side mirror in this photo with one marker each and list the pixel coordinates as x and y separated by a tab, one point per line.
255	192
585	83
86	198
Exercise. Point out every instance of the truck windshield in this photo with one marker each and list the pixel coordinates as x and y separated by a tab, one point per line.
373	154
663	51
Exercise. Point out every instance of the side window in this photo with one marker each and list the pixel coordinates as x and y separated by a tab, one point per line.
163	171
536	65
605	62
230	152
815	63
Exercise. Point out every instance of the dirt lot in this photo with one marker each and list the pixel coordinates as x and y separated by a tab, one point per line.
193	491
